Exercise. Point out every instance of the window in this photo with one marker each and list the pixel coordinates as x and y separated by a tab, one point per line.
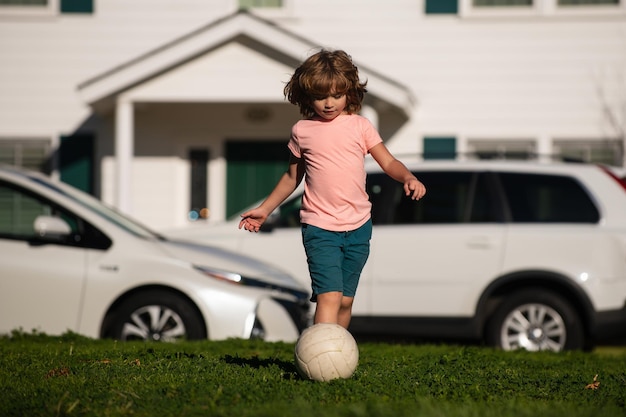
29	8
18	213
269	9
586	2
25	3
600	152
30	154
501	3
44	7
492	149
500	8
19	209
247	4
453	197
198	159
536	198
526	8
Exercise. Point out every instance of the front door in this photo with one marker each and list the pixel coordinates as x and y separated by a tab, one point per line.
253	168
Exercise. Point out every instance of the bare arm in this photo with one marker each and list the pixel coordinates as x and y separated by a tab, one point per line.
396	170
288	182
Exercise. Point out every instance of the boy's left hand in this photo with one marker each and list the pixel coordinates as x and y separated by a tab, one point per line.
414	188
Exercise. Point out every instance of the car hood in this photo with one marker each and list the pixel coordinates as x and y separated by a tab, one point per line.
203	232
225	260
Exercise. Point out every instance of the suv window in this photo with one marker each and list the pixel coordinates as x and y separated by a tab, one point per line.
470	197
452	197
536	198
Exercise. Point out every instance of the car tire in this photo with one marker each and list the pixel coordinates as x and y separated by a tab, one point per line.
535	319
157	315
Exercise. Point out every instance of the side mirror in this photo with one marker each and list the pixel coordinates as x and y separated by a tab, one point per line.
51	227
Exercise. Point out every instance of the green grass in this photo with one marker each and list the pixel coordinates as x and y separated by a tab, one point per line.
75	376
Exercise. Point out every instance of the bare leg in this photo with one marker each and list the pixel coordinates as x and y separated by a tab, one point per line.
345	311
333	307
327	309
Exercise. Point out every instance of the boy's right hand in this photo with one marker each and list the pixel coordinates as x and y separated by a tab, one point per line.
252	220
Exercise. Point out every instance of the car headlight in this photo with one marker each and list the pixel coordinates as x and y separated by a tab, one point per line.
235	278
231	277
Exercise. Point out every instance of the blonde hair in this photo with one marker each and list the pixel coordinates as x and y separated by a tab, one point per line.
321	75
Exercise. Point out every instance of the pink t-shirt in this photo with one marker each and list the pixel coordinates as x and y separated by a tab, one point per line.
334	155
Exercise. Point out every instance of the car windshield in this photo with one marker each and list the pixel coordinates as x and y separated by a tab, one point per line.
96	206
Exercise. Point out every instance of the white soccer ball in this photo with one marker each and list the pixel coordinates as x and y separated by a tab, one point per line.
326	351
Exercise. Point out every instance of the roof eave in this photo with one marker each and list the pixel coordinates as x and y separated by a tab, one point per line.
105	87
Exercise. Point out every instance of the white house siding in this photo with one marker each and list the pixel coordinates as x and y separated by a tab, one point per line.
165	134
501	77
177	118
534	79
44	59
232	73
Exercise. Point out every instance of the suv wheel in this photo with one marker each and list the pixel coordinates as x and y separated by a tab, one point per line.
157	315
535	319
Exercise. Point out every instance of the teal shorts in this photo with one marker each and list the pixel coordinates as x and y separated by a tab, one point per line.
336	259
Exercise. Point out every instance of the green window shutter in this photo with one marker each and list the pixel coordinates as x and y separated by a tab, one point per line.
441	6
77	6
440	148
76	160
253	168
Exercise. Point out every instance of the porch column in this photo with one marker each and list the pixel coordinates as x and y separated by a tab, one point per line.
124	150
545	150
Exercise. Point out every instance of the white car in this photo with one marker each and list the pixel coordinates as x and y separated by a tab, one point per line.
69	263
516	254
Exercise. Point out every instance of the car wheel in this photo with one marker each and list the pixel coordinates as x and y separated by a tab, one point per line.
535	319
157	315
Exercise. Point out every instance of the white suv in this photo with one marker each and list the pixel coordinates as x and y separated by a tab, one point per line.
517	254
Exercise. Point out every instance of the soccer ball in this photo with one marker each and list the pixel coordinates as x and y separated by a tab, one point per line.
326	351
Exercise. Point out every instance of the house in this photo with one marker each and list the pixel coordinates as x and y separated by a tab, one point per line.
173	111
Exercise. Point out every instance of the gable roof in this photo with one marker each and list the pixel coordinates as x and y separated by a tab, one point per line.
259	34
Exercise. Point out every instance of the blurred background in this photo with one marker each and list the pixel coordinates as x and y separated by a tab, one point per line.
173	112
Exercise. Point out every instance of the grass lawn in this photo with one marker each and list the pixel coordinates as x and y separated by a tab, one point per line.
75	376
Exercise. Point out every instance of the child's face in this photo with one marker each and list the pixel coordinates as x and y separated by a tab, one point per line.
329	107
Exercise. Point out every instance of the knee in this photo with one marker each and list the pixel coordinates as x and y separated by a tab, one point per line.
346	302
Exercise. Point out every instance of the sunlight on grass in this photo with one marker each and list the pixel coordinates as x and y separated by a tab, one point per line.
76	376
